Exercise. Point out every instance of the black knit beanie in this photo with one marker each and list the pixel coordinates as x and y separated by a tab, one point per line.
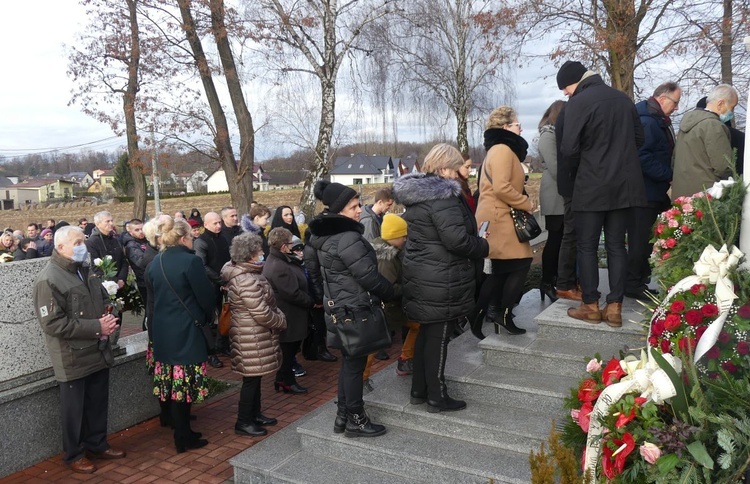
335	196
570	73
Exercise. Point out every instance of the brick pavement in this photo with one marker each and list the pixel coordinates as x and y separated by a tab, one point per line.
151	453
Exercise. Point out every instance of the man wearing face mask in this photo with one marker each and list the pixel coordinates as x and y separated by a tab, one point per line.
703	152
70	304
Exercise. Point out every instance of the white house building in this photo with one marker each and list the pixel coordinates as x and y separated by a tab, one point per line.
217	182
362	169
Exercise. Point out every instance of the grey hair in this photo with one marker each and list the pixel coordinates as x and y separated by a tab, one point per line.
63	234
99	216
278	237
722	92
667	88
245	246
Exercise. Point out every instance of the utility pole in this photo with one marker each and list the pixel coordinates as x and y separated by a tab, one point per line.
155	173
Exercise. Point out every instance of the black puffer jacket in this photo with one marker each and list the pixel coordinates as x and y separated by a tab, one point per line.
134	251
100	246
348	263
213	250
443	255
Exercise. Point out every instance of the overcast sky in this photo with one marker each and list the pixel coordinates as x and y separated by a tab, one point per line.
36	89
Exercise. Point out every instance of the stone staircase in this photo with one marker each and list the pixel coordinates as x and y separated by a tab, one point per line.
514	386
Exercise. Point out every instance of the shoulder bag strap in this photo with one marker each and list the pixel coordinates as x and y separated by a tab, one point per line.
325	281
166	279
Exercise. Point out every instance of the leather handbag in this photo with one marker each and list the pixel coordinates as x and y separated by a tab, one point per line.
225	319
526	226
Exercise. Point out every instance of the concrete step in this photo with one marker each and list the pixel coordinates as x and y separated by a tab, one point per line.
554	323
529	352
417	455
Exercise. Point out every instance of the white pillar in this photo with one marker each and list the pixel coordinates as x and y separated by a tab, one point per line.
745	222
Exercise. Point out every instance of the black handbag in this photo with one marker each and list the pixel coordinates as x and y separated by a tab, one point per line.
361	331
526	226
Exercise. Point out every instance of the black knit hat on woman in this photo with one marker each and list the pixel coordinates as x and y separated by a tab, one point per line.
335	196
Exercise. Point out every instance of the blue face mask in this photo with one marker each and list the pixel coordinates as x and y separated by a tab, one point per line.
80	253
726	116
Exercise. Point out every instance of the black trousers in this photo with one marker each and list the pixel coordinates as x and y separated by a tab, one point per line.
567	277
640	230
249	406
285	373
350	383
181	421
430	353
504	287
551	254
588	229
83	408
144	297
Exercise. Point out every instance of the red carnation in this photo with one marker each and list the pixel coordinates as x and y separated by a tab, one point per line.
672	322
666	346
744	311
686	342
724	337
612	372
653	341
698	214
685	229
671	243
693	317
710	310
588	391
659	229
677	307
713	353
729	367
743	348
699	331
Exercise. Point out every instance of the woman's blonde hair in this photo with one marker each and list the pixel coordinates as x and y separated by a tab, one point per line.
7	236
500	117
441	156
172	231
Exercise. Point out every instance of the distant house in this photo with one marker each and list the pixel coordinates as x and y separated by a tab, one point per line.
83	179
107	180
6	201
217	182
40	190
407	165
362	169
196	183
286	179
97	173
180	179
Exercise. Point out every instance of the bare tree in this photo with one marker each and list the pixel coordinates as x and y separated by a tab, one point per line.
105	65
314	37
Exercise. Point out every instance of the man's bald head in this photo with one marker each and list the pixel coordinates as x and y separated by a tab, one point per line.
212	222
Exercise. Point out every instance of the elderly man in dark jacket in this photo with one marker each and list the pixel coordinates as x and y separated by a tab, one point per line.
70	306
103	242
656	165
348	267
601	139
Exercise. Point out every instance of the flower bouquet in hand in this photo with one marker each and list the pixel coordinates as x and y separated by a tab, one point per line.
106	266
116	304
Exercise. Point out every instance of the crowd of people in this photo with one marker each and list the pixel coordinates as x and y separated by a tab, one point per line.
608	165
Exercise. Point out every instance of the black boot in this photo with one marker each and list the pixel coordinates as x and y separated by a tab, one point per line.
249	429
359	425
184	437
491	313
476	324
339	425
547	289
447	404
507	323
165	417
325	355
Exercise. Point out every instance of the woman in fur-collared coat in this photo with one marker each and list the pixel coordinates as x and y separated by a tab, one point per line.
440	268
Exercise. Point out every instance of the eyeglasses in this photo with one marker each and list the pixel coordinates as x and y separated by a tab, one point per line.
676	103
515	124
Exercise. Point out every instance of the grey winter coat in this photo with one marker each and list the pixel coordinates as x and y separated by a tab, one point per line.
347	264
443	254
68	309
287	278
371	222
702	153
549	198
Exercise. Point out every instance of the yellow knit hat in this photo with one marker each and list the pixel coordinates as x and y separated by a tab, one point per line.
393	227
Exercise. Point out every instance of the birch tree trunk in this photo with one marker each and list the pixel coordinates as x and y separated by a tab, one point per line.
322	147
131	132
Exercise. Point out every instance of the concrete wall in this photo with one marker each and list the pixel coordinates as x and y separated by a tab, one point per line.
29	394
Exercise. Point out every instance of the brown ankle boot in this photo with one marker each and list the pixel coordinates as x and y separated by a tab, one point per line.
612	315
586	312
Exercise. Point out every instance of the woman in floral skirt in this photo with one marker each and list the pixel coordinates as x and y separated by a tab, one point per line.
183	302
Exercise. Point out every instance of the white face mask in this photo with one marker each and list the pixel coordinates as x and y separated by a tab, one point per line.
80	253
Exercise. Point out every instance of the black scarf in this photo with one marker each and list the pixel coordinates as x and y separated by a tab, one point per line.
500	136
654	109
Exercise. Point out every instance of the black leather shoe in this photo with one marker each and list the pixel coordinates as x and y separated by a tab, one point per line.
261	419
448	404
476	325
360	425
191	444
249	429
417	398
296	389
339	425
215	362
325	355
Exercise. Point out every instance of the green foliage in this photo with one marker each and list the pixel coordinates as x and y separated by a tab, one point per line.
216	386
123	182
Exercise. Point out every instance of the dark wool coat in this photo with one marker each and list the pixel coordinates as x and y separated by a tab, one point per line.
256	321
213	250
601	136
68	309
100	246
443	254
229	233
565	177
134	251
656	153
287	278
348	263
177	340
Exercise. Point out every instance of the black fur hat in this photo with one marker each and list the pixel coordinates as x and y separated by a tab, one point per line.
335	196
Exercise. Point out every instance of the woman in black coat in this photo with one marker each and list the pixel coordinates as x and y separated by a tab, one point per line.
442	261
284	217
283	270
183	300
348	267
